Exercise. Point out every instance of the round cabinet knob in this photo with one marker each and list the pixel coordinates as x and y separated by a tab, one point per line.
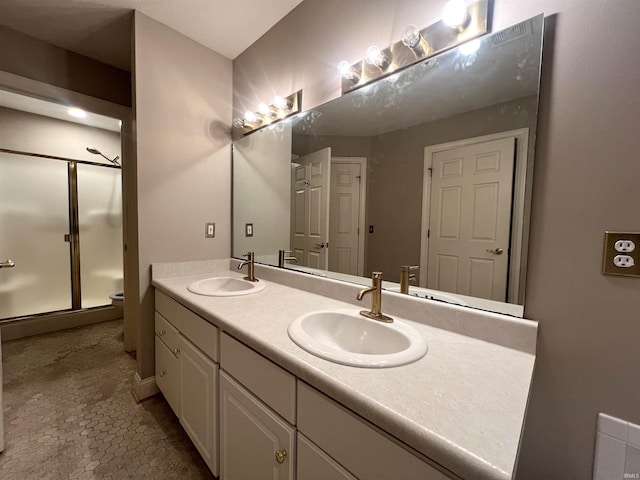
176	351
281	455
161	333
162	374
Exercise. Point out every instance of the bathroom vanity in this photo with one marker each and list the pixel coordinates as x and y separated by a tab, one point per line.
258	406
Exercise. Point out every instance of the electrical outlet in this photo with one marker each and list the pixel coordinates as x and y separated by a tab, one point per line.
620	255
623	261
624	246
209	230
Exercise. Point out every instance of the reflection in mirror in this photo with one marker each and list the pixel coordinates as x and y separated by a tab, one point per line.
428	168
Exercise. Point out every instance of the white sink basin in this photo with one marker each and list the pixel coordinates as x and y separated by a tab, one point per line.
346	337
225	286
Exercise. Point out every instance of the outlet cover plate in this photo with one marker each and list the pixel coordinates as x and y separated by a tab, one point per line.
210	230
610	252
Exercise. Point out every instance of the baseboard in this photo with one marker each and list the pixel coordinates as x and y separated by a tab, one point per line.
39	324
143	389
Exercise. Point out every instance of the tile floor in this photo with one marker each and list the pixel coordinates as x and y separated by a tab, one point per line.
69	413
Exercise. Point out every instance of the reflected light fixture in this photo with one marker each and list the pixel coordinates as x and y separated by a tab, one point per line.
455	14
469	48
376	57
346	71
76	112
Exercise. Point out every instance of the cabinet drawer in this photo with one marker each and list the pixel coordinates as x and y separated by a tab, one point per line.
167	374
273	385
203	334
314	464
166	332
356	444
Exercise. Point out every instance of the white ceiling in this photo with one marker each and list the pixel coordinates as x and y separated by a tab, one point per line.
100	29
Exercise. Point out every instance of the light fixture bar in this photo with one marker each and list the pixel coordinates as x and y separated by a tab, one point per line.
281	108
435	39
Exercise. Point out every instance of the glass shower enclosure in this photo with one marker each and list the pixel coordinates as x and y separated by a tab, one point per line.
60	234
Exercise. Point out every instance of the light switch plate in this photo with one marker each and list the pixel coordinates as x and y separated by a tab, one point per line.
613	241
209	230
248	229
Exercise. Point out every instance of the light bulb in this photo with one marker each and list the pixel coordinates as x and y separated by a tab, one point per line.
376	57
76	112
347	72
455	13
263	109
250	117
238	122
281	103
411	36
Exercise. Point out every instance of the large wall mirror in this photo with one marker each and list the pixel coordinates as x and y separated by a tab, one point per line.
429	168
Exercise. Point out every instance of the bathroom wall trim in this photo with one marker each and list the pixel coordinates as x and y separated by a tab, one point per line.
144	388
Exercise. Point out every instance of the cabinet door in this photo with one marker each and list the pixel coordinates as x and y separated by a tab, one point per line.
314	464
198	410
255	443
167	374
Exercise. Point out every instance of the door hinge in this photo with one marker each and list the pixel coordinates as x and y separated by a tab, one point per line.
430	171
428	233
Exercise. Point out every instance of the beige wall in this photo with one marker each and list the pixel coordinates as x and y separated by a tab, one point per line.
585	181
31	58
183	110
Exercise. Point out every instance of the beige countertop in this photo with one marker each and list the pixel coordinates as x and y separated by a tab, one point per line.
462	405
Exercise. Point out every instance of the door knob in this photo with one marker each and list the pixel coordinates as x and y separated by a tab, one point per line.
495	251
8	264
321	245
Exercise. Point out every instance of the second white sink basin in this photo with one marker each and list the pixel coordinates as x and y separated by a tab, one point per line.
346	337
225	286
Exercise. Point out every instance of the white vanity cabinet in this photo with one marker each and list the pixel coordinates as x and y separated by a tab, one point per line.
187	373
257	416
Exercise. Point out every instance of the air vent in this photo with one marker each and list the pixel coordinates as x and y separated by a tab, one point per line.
517	31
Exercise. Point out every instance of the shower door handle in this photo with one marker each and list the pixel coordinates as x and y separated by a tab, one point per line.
8	264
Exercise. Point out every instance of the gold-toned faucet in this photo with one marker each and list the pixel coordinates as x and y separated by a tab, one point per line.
285	256
250	272
376	299
406	276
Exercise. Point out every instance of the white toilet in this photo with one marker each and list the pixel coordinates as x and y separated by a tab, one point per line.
117	299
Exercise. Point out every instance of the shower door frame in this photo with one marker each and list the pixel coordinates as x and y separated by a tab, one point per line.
73	237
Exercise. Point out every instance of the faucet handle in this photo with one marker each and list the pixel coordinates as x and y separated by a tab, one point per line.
408	268
249	255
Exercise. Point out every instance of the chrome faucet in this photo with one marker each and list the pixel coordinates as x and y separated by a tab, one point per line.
376	299
284	257
250	273
406	276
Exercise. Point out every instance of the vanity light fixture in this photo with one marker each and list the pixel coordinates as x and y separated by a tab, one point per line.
455	14
460	23
281	108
